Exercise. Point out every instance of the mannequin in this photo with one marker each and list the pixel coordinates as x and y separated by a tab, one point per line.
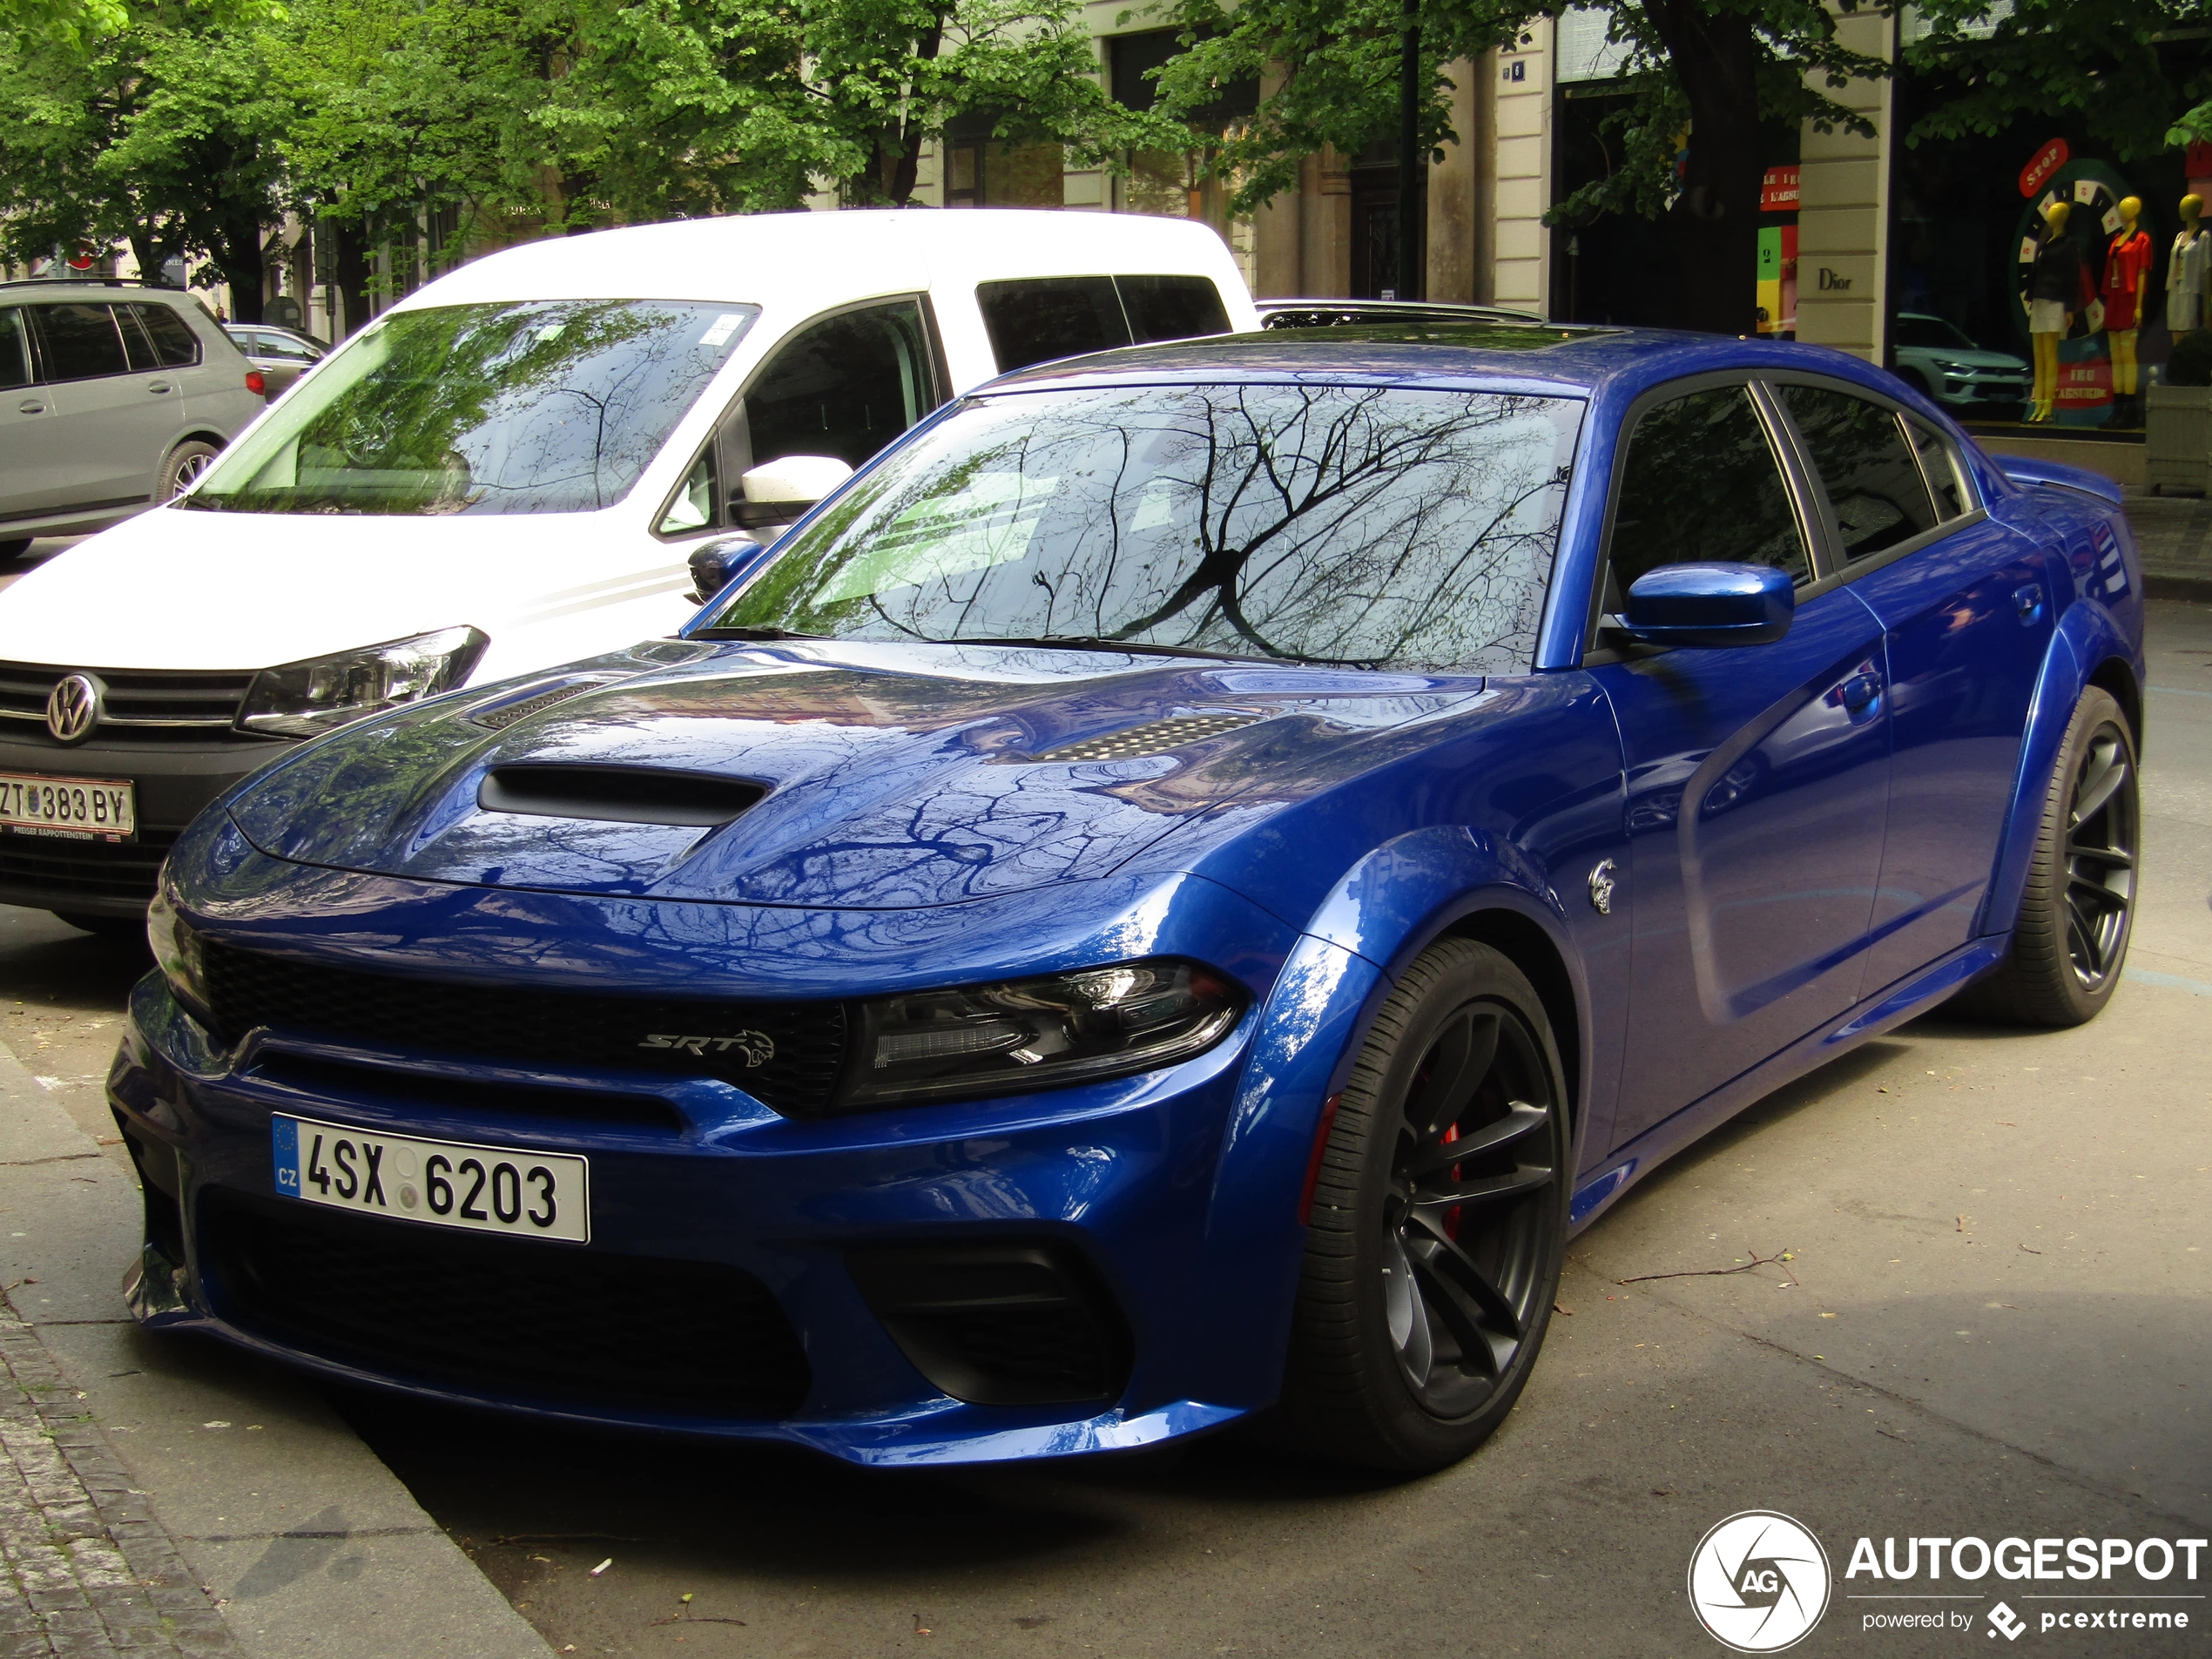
2053	292
2127	264
2186	270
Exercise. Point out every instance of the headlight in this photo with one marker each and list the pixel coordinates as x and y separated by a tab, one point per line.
1037	1033
176	951
301	699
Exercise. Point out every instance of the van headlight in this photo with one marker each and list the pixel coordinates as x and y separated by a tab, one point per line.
1029	1034
301	699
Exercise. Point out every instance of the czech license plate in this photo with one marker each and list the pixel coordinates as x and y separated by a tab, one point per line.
100	808
444	1183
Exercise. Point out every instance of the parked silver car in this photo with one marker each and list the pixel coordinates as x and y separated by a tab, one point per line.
282	355
114	396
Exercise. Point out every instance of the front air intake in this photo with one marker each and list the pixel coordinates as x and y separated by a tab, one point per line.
617	794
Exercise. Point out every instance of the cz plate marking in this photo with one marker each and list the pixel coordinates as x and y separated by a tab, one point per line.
441	1184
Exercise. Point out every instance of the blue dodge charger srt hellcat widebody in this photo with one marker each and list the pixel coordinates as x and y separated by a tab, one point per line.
1164	900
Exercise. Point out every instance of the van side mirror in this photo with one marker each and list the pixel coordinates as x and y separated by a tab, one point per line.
716	564
1710	605
779	491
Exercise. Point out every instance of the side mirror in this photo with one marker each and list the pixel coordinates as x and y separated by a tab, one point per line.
775	492
1710	605
716	564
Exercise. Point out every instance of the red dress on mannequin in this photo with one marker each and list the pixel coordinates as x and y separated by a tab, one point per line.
2127	262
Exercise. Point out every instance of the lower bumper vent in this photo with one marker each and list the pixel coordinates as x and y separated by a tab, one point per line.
1000	1324
495	1314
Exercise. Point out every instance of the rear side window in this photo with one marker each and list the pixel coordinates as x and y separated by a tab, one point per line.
1034	322
844	386
1939	463
15	349
79	342
1701	482
1872	477
1171	307
175	345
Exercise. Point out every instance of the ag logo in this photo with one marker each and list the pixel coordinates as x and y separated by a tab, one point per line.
1759	1581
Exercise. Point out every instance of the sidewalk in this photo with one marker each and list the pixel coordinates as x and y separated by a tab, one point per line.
2175	534
167	1497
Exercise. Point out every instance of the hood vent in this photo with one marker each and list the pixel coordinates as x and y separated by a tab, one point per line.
500	716
1153	737
617	794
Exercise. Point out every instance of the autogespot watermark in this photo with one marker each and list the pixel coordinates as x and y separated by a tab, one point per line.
1760	1582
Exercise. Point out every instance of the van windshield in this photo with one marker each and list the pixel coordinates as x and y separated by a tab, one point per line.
549	406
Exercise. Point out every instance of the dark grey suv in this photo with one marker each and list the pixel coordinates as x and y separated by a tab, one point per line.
113	397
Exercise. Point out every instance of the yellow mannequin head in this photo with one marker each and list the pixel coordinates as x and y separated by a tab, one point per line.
2055	216
2131	209
2191	207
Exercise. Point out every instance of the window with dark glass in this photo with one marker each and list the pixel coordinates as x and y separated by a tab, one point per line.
15	350
1939	463
1171	307
79	342
1872	478
1051	317
1702	484
175	345
844	386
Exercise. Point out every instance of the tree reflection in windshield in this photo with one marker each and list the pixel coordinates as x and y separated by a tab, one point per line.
1357	525
544	406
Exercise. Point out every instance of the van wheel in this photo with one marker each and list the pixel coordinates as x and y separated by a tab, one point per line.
1439	1223
2071	940
187	461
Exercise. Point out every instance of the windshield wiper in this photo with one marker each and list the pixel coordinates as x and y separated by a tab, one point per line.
1063	642
752	633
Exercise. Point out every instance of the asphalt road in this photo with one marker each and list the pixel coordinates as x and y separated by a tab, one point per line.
1992	1322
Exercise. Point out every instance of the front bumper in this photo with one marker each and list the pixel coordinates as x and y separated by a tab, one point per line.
174	779
722	1235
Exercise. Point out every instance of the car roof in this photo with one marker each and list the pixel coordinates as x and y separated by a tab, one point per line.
807	259
1556	359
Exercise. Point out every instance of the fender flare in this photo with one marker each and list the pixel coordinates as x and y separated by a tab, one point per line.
2085	639
1390	906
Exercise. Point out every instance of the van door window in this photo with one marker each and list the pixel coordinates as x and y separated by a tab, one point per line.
843	385
15	350
1172	307
80	343
1035	322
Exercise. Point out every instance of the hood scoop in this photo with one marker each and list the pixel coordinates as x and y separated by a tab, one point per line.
617	794
1153	737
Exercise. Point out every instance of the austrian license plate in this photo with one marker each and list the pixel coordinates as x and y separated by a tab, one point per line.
444	1183
97	808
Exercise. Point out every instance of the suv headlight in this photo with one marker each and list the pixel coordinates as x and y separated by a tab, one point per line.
176	951
1037	1033
300	699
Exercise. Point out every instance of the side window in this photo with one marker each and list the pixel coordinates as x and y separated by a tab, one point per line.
137	345
79	342
693	506
1035	322
1939	462
1871	475
174	343
844	386
15	349
1172	307
1701	482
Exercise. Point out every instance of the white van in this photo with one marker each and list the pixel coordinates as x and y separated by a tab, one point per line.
508	470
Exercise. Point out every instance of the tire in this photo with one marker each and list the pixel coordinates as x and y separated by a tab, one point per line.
2071	940
187	461
115	929
14	549
1416	1324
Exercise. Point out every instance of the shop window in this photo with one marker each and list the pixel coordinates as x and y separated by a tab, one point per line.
1701	482
844	386
79	342
1872	477
980	173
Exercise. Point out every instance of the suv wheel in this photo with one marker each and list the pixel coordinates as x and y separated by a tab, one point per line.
187	461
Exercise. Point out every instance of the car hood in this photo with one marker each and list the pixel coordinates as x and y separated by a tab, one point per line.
1963	358
845	775
180	588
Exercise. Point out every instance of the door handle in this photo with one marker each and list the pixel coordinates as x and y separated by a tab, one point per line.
2028	601
157	387
1863	696
31	406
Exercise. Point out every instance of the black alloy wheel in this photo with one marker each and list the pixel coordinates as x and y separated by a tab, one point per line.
2070	941
1438	1227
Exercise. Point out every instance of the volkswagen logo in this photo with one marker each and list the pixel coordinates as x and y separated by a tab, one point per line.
73	708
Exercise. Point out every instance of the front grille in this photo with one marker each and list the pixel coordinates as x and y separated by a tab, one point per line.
149	705
800	1046
542	1318
61	870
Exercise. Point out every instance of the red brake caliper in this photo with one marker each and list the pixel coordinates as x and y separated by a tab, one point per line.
1451	1215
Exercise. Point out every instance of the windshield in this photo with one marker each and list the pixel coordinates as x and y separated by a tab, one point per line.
1933	332
1361	525
551	405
